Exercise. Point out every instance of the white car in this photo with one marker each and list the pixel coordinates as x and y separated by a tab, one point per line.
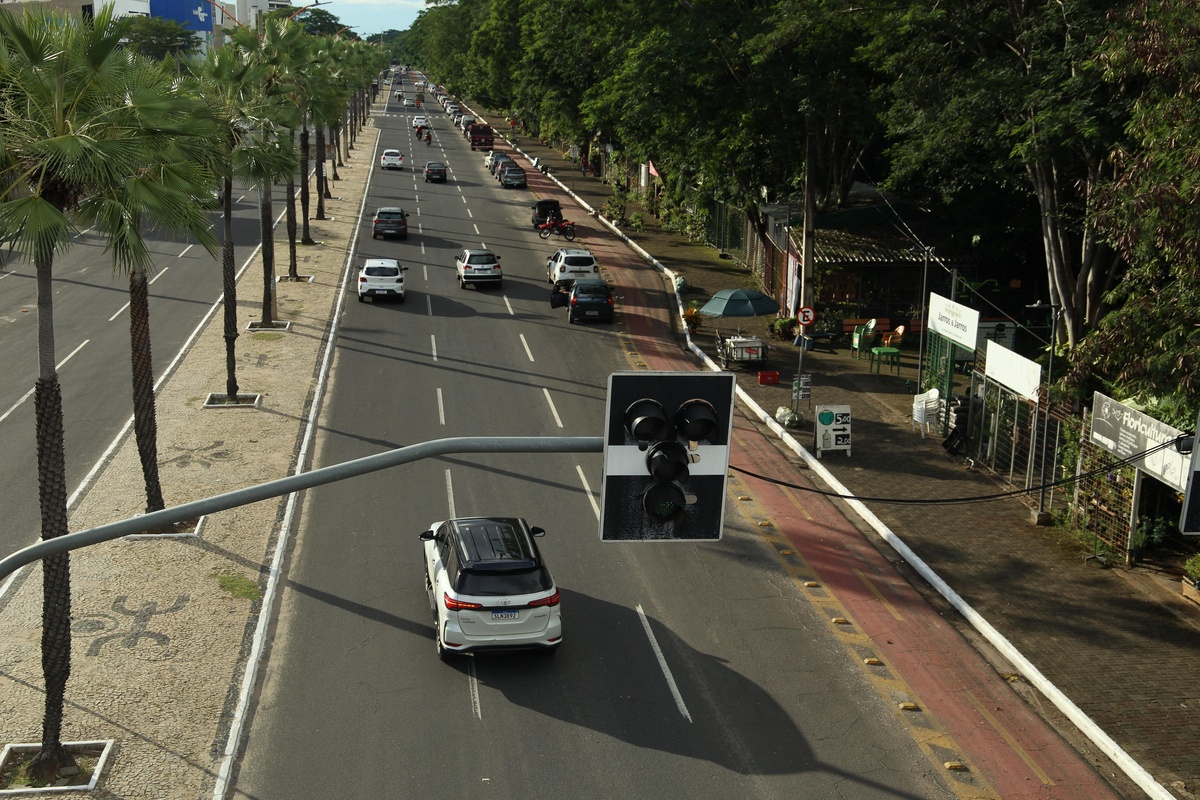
570	264
410	103
489	588
478	267
381	279
391	159
420	121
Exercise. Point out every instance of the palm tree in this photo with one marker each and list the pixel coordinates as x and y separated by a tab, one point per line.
84	123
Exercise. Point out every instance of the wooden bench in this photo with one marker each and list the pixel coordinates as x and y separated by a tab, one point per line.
882	325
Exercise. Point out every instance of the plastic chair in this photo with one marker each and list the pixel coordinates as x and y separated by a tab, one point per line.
863	339
894	338
925	410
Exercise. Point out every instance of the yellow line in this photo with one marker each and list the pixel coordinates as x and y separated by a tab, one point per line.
891	609
790	494
1016	747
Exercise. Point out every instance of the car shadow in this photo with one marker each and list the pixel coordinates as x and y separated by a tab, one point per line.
744	730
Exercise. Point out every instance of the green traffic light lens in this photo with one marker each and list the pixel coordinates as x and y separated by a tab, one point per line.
664	501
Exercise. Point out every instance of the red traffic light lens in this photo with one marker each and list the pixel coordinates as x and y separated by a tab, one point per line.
696	420
645	420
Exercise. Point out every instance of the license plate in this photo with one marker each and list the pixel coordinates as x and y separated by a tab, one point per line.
592	313
379	291
505	615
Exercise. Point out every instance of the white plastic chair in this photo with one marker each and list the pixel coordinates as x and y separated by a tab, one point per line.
925	411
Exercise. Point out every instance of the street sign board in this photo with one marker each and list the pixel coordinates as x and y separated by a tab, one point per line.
806	316
831	429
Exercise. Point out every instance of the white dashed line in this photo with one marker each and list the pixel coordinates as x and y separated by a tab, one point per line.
528	352
553	410
441	409
588	490
662	663
433	345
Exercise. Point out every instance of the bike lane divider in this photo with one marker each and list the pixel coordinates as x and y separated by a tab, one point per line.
964	715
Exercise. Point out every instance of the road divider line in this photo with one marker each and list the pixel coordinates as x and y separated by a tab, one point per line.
185	251
525	344
588	491
162	271
891	609
433	346
550	402
429	305
441	408
1021	752
508	305
662	663
473	688
450	495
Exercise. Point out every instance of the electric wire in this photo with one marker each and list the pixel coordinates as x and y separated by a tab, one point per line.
948	501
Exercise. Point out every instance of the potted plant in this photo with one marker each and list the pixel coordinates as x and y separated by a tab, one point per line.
691	317
1191	581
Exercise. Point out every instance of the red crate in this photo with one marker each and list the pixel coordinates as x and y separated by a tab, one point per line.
768	378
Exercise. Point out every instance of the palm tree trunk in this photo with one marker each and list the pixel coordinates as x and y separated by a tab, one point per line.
145	424
229	298
333	157
306	236
293	274
52	500
320	172
268	253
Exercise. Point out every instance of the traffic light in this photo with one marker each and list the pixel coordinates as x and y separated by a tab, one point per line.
666	455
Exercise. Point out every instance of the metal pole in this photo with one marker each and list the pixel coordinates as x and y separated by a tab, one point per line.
1054	312
924	321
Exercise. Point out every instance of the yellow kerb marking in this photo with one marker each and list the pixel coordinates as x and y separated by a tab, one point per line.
1016	747
890	608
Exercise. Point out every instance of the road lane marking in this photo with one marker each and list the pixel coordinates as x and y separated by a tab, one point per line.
662	663
441	409
29	394
472	216
550	401
185	251
473	688
891	609
1013	743
588	490
450	495
433	345
508	305
121	310
528	352
429	305
162	271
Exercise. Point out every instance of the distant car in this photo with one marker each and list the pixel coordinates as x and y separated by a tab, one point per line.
391	159
464	123
570	264
452	108
389	221
504	167
542	210
435	171
489	588
590	300
495	159
478	268
410	103
513	178
420	121
380	278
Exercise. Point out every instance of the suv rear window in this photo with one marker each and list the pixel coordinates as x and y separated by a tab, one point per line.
493	583
579	261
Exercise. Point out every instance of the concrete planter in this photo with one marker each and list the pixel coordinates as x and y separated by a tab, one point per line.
1190	590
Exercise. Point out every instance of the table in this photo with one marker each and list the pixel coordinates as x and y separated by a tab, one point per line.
878	354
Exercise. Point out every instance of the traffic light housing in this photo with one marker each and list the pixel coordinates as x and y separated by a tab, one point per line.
666	455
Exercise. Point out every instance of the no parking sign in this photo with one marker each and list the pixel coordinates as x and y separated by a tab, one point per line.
806	316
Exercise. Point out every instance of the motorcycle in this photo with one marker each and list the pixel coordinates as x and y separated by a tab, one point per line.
560	228
428	139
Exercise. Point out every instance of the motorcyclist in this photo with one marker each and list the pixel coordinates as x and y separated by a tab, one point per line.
419	129
428	138
555	217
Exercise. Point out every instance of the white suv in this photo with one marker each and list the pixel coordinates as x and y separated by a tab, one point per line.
477	267
381	278
489	588
569	264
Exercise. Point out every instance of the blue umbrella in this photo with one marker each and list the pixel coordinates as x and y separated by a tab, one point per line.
739	303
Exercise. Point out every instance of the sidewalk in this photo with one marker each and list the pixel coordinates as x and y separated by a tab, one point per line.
1121	644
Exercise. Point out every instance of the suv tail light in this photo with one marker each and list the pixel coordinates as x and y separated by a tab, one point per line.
552	600
459	605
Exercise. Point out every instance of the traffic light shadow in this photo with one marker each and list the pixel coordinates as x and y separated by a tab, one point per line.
605	650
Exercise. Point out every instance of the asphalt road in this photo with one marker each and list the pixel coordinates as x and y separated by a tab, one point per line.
91	321
687	670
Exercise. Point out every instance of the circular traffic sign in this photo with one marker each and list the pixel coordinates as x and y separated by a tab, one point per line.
806	316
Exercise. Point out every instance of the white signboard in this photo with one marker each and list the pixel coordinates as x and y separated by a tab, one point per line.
956	322
1016	372
831	429
1125	432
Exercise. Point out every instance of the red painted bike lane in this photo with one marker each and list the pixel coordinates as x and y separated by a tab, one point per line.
962	709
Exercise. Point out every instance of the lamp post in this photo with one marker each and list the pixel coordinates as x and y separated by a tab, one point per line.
307	7
1043	517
